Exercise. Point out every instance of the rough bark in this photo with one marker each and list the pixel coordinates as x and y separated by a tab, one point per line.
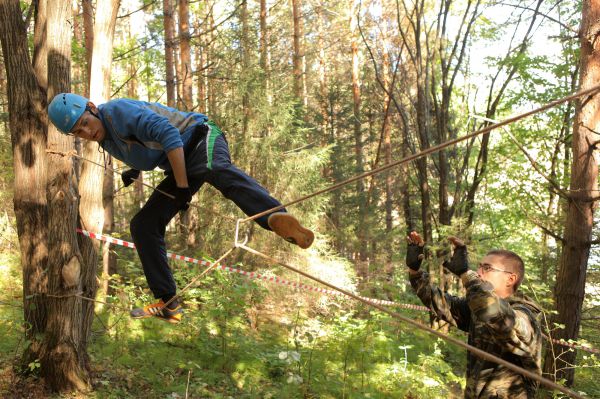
91	206
185	55
200	82
27	121
88	29
265	54
63	355
211	95
323	103
245	47
361	226
297	50
169	25
570	282
387	151
189	219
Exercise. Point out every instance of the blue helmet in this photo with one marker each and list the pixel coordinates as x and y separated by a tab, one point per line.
65	110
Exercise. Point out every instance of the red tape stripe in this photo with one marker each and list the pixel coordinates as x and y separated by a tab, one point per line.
280	281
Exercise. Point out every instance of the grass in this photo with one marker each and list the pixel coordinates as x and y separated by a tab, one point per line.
297	351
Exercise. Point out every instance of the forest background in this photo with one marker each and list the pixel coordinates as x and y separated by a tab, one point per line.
309	93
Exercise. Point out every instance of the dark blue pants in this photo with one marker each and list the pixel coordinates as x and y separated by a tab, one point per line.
149	224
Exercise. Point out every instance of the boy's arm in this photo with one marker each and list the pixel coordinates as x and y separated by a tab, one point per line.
177	161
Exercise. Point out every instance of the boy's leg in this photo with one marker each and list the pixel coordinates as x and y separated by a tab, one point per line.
148	233
252	198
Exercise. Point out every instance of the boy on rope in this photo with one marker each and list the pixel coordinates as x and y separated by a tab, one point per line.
498	319
192	150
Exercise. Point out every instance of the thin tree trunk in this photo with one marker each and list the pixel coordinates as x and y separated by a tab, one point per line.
361	226
387	150
109	259
265	54
297	54
185	55
211	94
404	178
169	25
245	47
570	282
91	206
322	80
79	74
88	29
189	219
201	72
28	128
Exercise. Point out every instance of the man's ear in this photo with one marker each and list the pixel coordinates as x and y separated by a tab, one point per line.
92	107
512	280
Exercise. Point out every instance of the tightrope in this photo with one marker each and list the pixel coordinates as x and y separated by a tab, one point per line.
306	287
253	275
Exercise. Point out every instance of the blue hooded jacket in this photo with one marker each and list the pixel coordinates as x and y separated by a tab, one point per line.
140	133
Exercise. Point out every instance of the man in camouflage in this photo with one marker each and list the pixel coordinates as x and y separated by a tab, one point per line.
498	319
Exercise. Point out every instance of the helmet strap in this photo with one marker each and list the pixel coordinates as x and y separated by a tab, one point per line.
87	108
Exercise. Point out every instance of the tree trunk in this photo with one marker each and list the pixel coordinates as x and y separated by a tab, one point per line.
185	55
211	95
109	259
265	54
404	178
361	225
63	357
200	71
297	54
322	81
88	29
169	25
245	47
570	282
28	128
387	151
91	206
189	219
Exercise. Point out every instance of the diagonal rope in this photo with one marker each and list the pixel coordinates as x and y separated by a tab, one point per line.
431	150
482	354
74	154
198	277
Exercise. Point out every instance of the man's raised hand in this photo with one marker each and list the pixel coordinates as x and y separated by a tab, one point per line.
414	251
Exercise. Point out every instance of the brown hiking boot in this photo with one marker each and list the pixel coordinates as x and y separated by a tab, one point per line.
288	227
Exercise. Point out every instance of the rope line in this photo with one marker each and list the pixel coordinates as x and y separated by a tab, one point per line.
190	284
429	150
74	154
482	354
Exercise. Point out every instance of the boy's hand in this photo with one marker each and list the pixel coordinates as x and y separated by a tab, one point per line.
183	197
129	176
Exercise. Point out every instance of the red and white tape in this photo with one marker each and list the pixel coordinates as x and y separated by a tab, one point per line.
255	275
281	281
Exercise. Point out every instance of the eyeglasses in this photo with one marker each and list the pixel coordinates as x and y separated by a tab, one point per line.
488	268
